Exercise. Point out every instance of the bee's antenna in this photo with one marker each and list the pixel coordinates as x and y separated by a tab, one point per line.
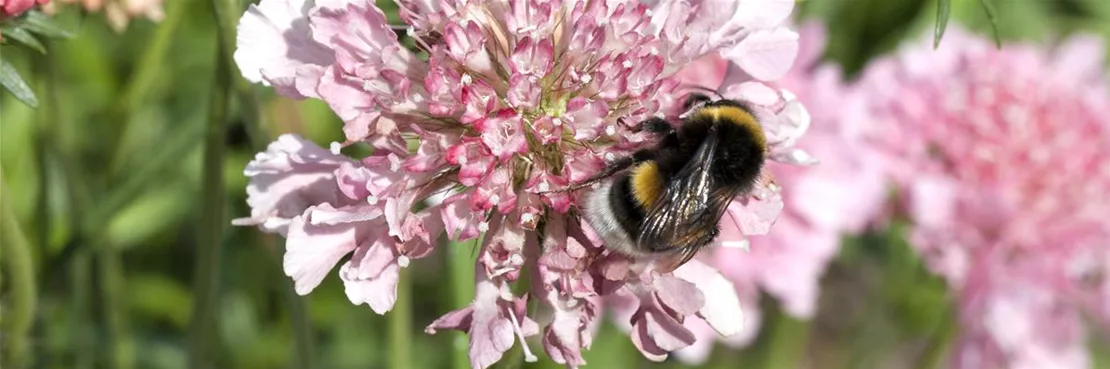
703	88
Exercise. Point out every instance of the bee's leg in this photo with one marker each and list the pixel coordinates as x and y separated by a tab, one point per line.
611	169
694	99
654	125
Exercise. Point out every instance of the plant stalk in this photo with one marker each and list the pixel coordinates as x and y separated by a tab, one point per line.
206	276
460	265
19	316
400	324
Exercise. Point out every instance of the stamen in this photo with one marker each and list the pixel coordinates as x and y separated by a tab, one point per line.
335	147
483	227
403	261
528	356
372	200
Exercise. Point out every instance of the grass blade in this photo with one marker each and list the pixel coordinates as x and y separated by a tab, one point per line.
944	9
19	312
993	18
10	79
203	342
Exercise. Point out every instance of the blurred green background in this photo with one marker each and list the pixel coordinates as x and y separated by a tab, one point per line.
110	187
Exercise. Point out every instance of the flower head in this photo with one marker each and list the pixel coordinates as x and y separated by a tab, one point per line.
502	102
1002	157
12	8
120	12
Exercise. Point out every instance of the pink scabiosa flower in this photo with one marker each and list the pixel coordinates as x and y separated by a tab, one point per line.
1002	158
502	102
12	8
841	194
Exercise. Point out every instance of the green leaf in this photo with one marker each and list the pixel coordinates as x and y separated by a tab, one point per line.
21	35
11	81
989	9
944	8
39	23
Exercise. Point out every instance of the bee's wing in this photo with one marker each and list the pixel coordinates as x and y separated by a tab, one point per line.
685	217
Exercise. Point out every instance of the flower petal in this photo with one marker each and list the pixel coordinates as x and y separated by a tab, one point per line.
766	54
312	250
273	40
722	308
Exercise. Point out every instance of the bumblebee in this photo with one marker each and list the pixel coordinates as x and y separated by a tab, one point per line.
665	202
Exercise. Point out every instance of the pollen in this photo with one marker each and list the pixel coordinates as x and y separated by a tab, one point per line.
647	183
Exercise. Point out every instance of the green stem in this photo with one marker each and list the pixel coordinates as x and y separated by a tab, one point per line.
302	330
787	342
937	348
19	316
400	324
298	311
151	64
206	277
114	306
81	286
460	264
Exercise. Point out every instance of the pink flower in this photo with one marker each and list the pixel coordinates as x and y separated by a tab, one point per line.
514	99
118	12
1002	158
12	8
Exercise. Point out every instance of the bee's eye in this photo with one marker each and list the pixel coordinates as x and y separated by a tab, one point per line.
693	100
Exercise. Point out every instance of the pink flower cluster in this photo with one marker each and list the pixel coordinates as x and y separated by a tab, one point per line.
502	102
1002	155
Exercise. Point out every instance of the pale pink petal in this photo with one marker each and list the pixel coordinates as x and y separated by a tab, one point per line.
766	54
289	177
273	41
707	71
311	250
679	295
722	307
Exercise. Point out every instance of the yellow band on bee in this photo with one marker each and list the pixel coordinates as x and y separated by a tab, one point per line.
647	183
737	116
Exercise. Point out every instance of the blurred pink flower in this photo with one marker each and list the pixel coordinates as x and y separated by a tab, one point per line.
12	8
514	99
1002	157
841	194
119	12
